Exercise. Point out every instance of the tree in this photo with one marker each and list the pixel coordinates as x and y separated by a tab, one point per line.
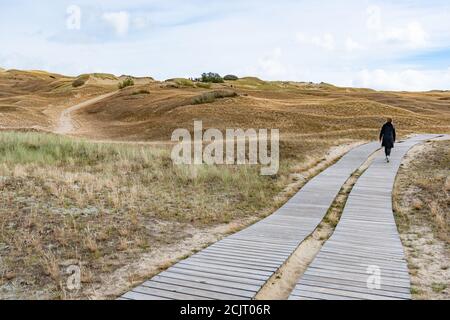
211	77
230	77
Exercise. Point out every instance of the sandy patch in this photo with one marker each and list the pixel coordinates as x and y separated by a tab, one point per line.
419	201
428	263
66	124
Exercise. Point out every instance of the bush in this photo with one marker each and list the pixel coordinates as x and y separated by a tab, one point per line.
126	83
80	81
184	82
230	77
203	85
142	91
211	96
211	77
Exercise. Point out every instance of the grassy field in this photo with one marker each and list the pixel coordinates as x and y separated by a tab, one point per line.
422	206
103	204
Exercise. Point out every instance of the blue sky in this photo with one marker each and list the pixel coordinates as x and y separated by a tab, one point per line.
395	45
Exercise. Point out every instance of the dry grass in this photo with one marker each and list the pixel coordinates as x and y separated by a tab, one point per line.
422	206
105	204
424	186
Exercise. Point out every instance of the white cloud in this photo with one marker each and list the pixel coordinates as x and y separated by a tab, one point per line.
325	41
409	79
271	64
73	21
412	34
141	22
393	37
351	45
373	18
119	20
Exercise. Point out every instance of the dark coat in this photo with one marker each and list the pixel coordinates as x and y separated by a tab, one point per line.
387	134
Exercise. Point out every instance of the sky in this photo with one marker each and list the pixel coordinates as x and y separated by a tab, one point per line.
385	45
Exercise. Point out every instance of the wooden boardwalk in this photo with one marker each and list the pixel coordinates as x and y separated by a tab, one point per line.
239	265
365	246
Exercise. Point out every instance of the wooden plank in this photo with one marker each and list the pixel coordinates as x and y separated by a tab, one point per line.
344	286
205	286
131	295
168	294
208	264
366	235
345	293
212	281
224	272
352	283
196	291
238	279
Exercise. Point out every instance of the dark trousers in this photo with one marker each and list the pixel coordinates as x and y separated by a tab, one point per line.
387	151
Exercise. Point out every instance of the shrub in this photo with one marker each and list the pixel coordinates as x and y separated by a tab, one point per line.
80	81
126	83
230	77
211	96
184	82
211	77
203	85
142	91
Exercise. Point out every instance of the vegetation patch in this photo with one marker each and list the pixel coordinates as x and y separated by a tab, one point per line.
230	77
142	91
80	81
128	82
98	205
211	77
421	206
203	85
209	97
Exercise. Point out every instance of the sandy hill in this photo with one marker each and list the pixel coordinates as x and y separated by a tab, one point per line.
151	110
36	98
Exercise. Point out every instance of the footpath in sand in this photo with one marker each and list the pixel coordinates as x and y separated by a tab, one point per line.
66	124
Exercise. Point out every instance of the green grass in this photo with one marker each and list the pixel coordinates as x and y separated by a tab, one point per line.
128	82
130	165
209	97
105	204
184	82
48	149
438	287
203	85
258	84
104	76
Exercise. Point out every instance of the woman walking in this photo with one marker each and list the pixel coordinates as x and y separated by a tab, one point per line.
387	137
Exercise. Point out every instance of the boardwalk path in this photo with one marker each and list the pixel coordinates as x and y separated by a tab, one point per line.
239	265
365	242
